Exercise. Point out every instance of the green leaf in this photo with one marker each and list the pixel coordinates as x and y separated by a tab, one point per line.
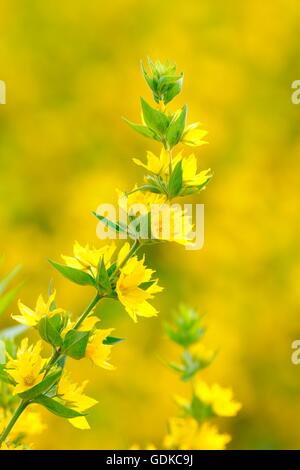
111	340
5	282
102	276
75	275
57	408
48	330
119	228
42	387
146	285
175	182
143	130
8	298
75	343
172	91
176	128
4	377
155	119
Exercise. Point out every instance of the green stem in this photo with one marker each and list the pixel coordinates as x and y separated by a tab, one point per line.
57	353
87	311
23	404
134	248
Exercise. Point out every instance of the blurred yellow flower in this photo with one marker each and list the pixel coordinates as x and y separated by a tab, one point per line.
98	352
188	434
220	399
87	258
193	136
74	397
26	368
135	286
29	423
31	317
202	353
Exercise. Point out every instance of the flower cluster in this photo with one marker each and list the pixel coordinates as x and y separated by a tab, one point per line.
113	272
194	427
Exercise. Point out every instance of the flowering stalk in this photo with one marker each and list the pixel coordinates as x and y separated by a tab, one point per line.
115	274
193	428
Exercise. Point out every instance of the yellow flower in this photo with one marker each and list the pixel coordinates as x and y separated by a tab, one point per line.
98	352
31	317
189	171
220	399
87	259
157	165
171	223
73	396
146	198
130	290
26	368
193	136
188	434
160	166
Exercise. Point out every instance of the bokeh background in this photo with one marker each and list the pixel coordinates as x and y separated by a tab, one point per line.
72	71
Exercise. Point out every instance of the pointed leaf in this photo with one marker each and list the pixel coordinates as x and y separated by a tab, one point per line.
57	408
175	182
75	343
48	332
143	130
155	119
176	128
75	275
111	340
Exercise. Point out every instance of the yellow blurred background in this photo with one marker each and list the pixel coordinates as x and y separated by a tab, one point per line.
71	71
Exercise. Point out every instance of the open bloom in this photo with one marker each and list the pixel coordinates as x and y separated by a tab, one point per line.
98	352
220	399
31	317
135	286
26	368
73	396
193	136
157	165
188	434
87	258
190	176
